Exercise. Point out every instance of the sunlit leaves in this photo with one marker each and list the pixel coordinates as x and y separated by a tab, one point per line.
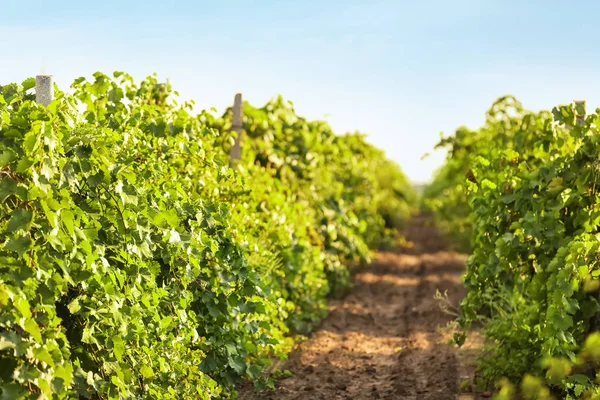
135	264
531	219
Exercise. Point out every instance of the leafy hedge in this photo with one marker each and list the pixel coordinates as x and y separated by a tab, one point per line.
531	183
321	167
135	264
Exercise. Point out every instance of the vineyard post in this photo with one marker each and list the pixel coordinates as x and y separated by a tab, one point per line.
44	89
235	153
580	109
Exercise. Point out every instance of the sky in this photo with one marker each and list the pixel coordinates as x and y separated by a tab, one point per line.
400	71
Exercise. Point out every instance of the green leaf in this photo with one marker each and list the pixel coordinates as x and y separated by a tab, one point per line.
32	328
24	165
4	295
19	244
147	372
87	335
238	364
9	340
30	143
23	306
56	241
166	321
118	347
6	157
578	378
64	372
117	382
74	306
8	187
166	218
95	180
12	391
28	83
231	349
41	354
67	218
20	219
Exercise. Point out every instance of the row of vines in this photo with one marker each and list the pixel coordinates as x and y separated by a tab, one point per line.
134	263
521	195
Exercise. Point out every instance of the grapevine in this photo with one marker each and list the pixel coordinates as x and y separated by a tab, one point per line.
525	188
134	263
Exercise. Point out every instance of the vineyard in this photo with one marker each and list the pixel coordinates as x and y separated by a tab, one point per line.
519	194
145	254
136	264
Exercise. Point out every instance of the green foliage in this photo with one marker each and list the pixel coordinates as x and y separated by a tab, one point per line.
507	126
135	264
571	375
360	198
531	185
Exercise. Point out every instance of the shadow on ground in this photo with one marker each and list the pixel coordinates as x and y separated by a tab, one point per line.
386	338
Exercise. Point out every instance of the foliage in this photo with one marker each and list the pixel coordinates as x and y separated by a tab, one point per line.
531	195
568	373
445	198
135	264
507	126
360	197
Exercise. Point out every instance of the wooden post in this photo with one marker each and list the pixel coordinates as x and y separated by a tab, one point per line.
235	153
580	110
44	89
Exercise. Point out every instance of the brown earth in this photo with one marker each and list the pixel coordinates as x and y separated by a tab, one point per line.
387	338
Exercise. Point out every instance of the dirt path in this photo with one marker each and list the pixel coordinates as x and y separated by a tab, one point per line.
382	340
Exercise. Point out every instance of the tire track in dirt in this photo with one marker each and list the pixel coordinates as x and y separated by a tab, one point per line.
382	340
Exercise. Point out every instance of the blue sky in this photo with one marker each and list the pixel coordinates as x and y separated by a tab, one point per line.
400	71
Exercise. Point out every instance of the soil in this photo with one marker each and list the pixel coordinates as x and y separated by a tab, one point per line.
387	339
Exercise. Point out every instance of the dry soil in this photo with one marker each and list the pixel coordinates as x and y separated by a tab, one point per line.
387	338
